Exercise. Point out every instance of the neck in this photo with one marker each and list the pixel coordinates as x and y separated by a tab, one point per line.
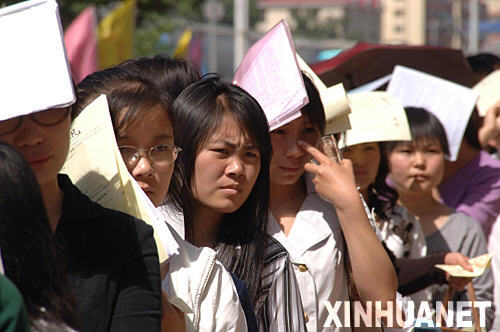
466	154
206	226
53	198
281	195
421	205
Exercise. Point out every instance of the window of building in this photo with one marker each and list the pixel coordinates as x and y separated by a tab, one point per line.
399	12
399	28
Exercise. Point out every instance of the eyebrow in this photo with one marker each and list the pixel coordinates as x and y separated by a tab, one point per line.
232	144
166	136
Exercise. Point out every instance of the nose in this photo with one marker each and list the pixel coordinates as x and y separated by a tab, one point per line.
356	157
235	167
293	149
28	134
419	160
143	168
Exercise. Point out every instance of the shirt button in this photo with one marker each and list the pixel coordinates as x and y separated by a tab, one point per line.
306	317
302	268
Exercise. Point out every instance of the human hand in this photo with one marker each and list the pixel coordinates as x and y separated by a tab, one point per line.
489	133
334	182
456	258
457	283
172	319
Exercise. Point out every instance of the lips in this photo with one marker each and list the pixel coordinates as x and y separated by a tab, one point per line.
38	161
231	189
147	190
290	168
419	177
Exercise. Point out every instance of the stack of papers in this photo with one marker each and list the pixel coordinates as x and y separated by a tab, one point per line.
96	167
270	73
35	73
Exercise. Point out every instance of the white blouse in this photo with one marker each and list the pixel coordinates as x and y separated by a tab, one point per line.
316	249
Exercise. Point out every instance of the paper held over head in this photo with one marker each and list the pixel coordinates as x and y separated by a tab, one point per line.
35	73
451	103
489	92
334	99
479	265
270	73
376	117
95	165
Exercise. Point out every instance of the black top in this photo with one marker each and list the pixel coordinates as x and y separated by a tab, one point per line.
113	265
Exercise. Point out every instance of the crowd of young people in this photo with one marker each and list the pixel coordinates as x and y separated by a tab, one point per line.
269	227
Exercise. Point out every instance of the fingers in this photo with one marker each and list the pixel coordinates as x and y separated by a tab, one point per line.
315	153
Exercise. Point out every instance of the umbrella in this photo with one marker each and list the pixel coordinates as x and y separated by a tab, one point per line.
366	62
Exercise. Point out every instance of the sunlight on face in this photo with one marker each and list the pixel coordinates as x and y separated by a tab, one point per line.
226	169
287	163
416	167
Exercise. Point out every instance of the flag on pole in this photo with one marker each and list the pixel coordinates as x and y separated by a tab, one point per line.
196	49
81	44
116	32
183	44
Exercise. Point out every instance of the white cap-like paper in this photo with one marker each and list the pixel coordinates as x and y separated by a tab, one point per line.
334	99
451	103
34	71
375	117
489	92
270	73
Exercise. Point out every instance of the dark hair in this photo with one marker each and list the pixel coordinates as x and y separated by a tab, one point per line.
168	75
201	107
423	126
381	197
472	129
31	257
314	111
125	92
483	63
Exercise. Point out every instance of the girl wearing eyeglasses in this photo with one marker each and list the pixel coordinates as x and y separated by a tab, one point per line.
112	257
140	93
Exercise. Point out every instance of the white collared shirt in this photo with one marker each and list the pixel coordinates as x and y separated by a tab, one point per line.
316	249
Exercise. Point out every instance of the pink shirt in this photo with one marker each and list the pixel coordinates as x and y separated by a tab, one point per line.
475	190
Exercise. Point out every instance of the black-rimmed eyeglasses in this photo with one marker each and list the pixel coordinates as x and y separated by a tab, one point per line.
49	117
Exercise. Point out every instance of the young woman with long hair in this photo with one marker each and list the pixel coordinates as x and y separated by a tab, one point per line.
220	191
29	251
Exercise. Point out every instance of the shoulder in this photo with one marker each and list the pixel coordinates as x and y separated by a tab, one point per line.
79	209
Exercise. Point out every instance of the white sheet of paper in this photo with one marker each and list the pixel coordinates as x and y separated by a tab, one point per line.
371	86
451	103
479	265
489	92
270	73
376	117
35	73
95	165
334	99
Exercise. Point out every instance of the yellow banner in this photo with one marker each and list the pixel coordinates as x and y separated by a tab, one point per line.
116	32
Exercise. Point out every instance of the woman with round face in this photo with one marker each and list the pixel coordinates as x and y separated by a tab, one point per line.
416	169
89	233
140	97
220	186
311	205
